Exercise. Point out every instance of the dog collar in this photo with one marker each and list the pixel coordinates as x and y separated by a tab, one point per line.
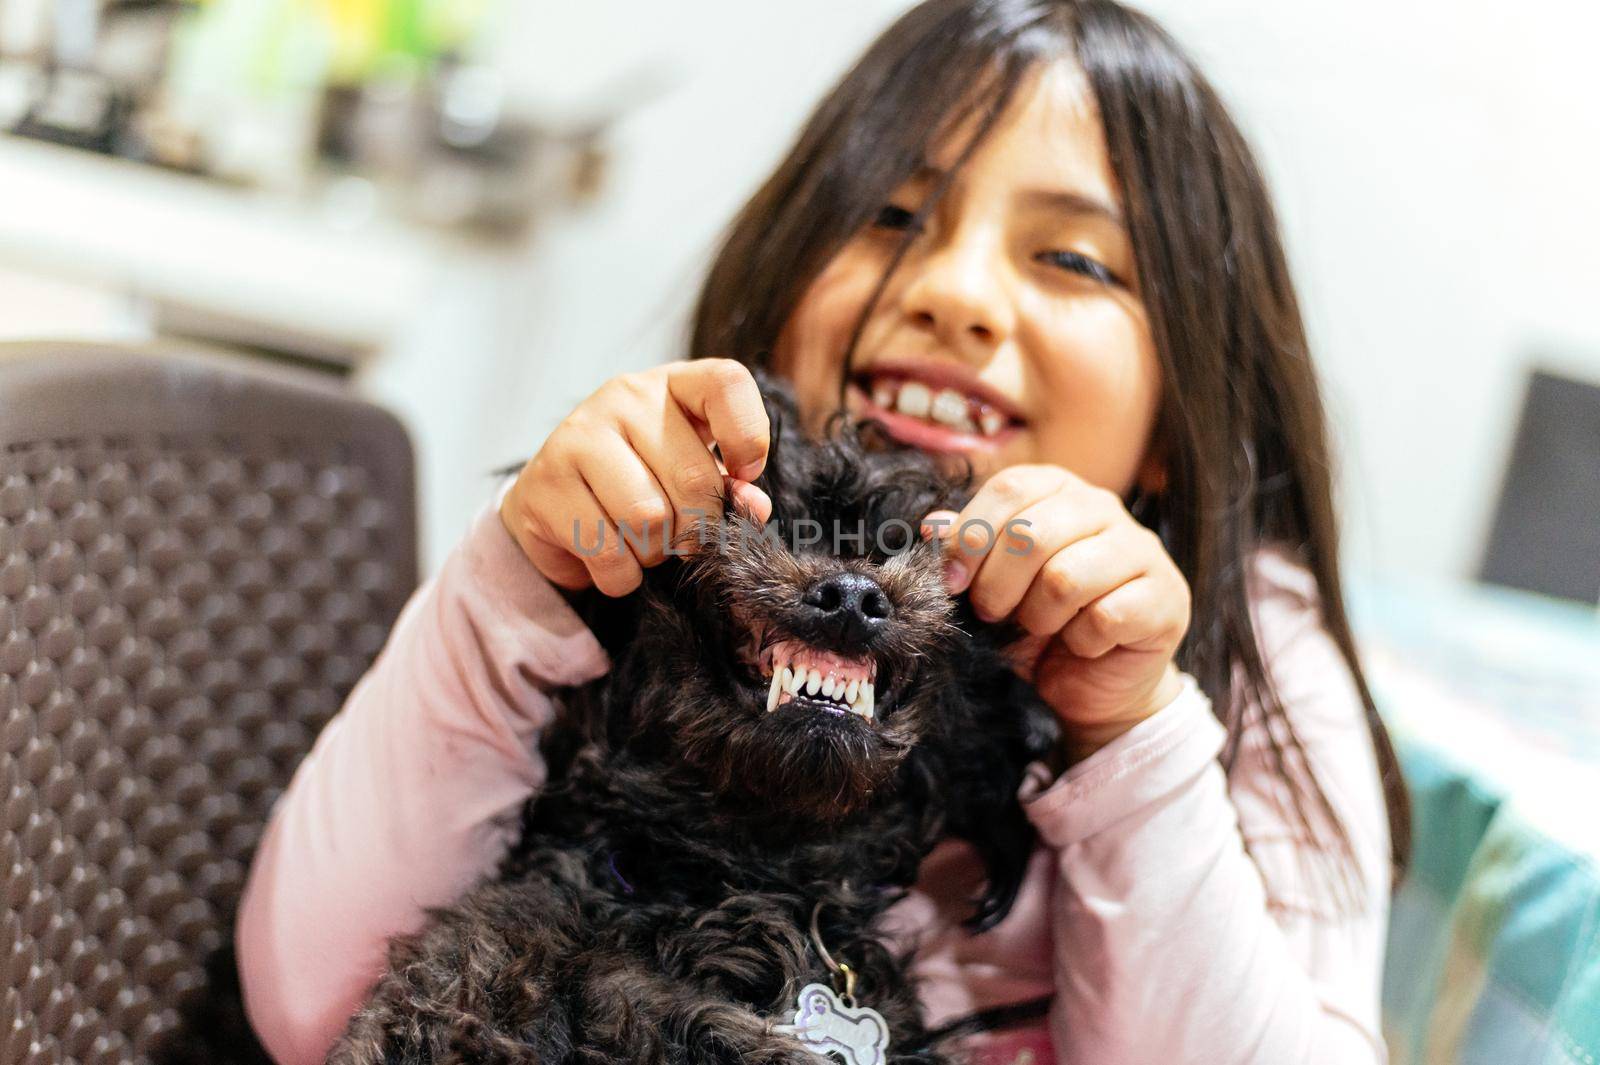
828	1020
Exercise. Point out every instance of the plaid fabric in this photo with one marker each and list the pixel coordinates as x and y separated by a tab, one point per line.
1494	947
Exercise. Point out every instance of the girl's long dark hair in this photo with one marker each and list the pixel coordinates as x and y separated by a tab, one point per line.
1241	419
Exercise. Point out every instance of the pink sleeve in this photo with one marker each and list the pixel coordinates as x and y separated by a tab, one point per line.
410	793
1191	921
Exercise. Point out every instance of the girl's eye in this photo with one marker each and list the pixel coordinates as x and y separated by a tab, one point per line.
1079	263
892	217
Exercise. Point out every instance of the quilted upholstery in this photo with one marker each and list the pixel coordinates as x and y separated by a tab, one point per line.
196	564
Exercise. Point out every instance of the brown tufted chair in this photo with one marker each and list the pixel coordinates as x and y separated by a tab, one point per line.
196	563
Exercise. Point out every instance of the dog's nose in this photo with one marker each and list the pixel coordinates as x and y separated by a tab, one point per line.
852	601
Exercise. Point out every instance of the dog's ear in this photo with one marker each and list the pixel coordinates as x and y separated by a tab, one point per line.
613	620
783	416
995	725
777	396
1028	731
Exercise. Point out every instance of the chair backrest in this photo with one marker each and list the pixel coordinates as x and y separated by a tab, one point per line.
197	561
1546	532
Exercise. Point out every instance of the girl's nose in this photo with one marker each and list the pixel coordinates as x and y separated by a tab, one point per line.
959	295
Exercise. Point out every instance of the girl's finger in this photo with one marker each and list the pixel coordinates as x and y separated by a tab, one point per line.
629	495
982	525
723	395
589	536
1079	574
611	566
1005	574
685	472
939	524
542	544
559	567
1138	616
751	499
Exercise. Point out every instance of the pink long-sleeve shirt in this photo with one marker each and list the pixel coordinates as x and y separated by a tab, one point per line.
1169	908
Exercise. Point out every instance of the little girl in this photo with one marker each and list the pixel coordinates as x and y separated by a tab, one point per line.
1024	234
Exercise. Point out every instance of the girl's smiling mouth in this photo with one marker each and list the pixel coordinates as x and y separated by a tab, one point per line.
934	407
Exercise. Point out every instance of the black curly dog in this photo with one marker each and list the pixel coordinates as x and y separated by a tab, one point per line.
658	907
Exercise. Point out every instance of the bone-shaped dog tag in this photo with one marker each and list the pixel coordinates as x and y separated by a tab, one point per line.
823	1024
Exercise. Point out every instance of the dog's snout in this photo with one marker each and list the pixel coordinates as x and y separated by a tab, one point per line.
853	602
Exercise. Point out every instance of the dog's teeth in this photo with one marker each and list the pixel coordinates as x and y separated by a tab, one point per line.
774	689
813	682
827	685
867	700
914	399
793	680
991	421
851	690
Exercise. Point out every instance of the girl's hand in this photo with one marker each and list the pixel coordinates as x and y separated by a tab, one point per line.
636	454
1103	604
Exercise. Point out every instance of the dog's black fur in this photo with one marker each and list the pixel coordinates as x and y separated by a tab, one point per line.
657	907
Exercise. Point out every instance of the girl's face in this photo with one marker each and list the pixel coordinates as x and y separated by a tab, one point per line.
1012	331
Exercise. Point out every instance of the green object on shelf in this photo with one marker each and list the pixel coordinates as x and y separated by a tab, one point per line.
378	38
250	48
268	47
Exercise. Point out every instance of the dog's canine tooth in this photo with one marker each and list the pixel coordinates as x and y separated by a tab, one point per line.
849	688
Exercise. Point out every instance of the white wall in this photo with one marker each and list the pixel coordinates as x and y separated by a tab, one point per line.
609	289
1433	165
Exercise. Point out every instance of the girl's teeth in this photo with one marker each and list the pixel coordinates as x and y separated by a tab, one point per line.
946	407
950	408
914	399
774	689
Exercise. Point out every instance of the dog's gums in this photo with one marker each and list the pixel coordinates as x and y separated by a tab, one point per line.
808	677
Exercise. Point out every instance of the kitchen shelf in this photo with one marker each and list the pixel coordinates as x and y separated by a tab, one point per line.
349	277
